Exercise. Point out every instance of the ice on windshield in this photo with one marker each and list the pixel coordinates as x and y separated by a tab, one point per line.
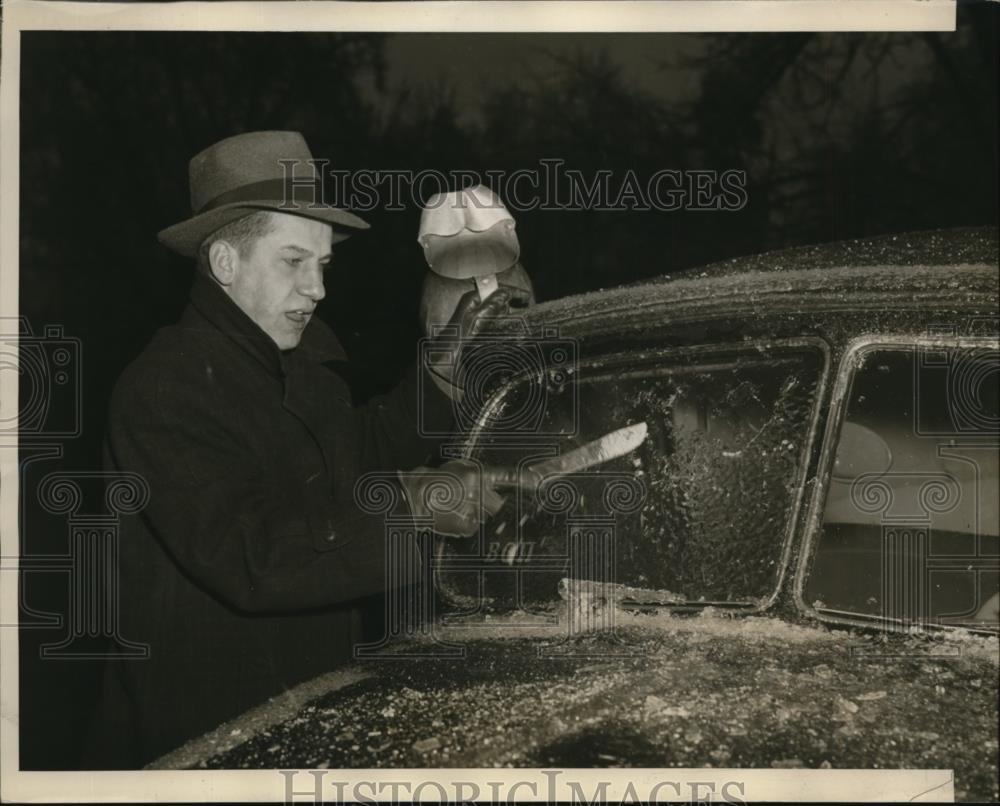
700	510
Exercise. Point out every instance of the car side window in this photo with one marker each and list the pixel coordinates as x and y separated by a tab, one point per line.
719	476
910	525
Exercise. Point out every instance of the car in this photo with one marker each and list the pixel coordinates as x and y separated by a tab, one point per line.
797	567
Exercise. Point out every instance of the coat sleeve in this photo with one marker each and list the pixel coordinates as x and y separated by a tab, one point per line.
405	428
255	547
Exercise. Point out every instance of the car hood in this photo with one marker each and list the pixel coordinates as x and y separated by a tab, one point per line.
658	691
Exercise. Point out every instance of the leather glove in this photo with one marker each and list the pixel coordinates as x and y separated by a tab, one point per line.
459	495
470	316
471	312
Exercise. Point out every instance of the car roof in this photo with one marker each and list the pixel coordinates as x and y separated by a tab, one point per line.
972	245
955	268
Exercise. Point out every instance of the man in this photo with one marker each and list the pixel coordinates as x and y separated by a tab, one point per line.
239	572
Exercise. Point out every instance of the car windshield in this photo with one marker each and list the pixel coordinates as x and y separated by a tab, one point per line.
700	511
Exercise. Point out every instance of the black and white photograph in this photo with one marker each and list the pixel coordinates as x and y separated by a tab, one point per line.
409	413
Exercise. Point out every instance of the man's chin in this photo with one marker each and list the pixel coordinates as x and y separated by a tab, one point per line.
288	342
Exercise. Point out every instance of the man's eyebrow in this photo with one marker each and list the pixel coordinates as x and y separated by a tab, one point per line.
308	252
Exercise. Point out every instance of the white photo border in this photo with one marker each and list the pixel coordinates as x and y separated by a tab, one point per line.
429	15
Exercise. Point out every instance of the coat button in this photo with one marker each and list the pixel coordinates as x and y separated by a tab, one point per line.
330	538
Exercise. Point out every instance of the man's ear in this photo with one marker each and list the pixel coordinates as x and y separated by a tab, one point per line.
223	258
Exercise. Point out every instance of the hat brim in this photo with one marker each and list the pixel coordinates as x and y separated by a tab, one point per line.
187	236
470	254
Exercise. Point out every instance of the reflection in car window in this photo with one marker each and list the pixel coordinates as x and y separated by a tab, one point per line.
910	528
720	470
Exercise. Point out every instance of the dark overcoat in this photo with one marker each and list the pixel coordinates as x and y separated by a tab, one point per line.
241	571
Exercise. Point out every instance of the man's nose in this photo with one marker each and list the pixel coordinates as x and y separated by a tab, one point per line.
312	284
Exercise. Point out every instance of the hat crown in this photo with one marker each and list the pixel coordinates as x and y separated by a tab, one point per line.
254	171
246	159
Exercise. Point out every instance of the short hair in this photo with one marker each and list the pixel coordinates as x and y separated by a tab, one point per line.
242	233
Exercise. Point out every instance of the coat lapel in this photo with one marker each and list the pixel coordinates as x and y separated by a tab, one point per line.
295	369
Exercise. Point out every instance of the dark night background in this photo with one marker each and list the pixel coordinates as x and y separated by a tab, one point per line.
841	135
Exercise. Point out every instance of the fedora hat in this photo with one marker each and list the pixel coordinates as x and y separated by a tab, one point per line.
249	172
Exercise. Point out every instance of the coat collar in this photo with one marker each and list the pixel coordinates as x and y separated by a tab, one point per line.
318	345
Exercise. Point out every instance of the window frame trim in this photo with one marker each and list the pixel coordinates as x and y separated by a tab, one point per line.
848	365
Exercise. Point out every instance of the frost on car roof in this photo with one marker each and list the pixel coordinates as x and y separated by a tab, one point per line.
893	270
970	245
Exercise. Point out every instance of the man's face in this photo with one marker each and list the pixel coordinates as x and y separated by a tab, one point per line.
279	281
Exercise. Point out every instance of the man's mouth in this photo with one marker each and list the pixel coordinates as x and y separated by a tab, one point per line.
300	317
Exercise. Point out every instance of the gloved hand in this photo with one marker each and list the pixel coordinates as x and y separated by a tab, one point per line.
469	318
459	495
471	312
